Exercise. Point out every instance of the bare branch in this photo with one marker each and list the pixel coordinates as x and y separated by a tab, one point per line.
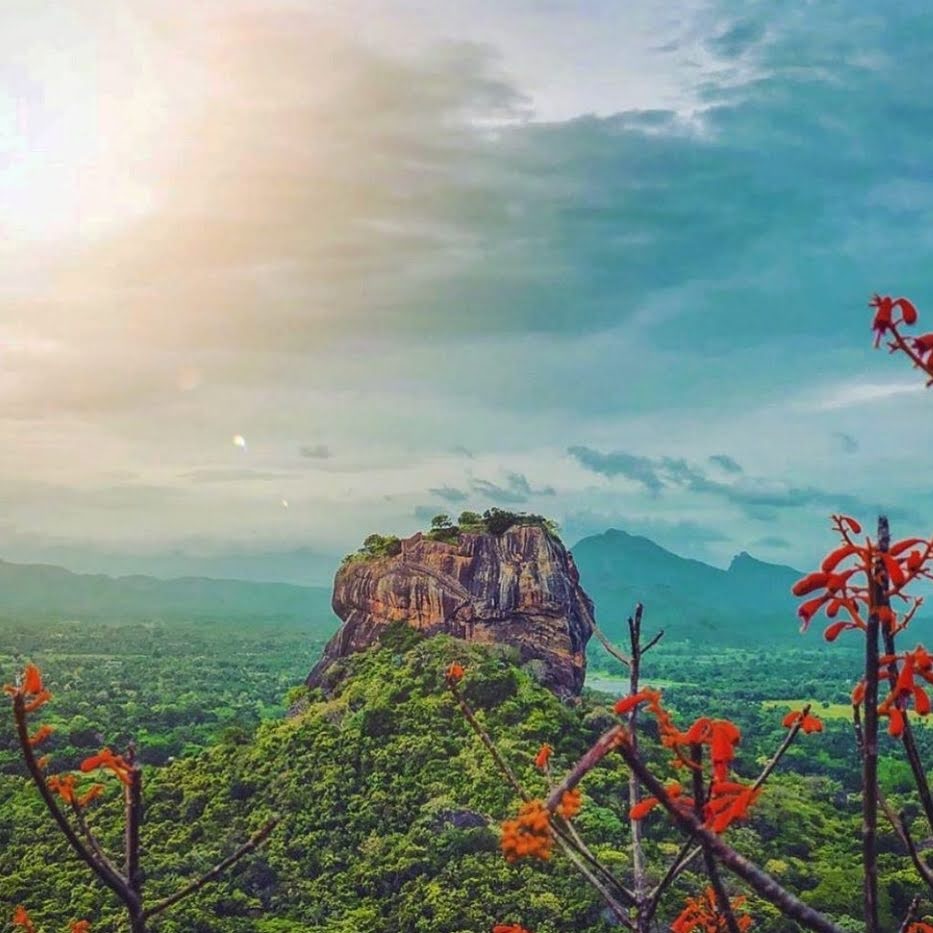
254	842
110	878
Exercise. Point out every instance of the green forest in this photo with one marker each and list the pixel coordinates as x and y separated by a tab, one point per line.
391	804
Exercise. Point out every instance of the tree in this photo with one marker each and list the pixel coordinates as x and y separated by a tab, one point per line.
861	586
68	802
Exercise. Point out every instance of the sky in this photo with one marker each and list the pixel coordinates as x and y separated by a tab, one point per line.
276	275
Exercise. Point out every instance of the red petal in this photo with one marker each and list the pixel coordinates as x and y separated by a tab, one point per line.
921	701
896	722
832	632
852	523
811	582
832	560
908	310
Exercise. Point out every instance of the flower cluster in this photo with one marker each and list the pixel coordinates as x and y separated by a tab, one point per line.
529	835
808	722
22	920
570	803
674	791
106	759
509	928
728	799
543	758
901	671
918	349
454	673
30	689
849	574
701	915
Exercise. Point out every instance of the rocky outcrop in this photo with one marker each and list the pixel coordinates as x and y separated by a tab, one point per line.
519	588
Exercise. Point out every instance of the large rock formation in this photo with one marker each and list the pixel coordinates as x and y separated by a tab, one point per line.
518	588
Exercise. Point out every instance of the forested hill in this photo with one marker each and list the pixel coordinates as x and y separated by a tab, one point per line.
390	810
40	589
749	603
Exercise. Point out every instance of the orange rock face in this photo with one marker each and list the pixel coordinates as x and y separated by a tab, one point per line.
520	588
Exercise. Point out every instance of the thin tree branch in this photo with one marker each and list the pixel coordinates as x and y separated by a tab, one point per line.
899	824
686	855
254	842
613	738
484	737
913	915
634	788
653	642
111	879
699	800
610	647
90	838
558	832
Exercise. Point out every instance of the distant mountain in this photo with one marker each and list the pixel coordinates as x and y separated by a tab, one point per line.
42	589
749	603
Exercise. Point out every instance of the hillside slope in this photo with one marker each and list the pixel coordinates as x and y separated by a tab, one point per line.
390	809
749	603
36	589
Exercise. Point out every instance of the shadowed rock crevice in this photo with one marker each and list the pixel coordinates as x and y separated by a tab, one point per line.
520	588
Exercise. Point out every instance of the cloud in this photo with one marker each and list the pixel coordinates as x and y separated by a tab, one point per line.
848	443
294	231
449	494
640	469
315	452
231	475
515	490
726	462
756	497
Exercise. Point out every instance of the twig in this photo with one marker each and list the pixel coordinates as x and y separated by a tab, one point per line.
609	740
559	833
913	914
254	842
899	825
107	875
484	737
610	647
680	862
634	788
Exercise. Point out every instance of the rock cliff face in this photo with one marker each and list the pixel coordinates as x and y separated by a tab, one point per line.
520	588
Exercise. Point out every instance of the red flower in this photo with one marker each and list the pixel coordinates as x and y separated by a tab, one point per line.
884	314
529	835
647	804
106	759
40	735
543	756
570	804
21	919
701	915
807	722
728	801
509	928
80	926
30	689
454	673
